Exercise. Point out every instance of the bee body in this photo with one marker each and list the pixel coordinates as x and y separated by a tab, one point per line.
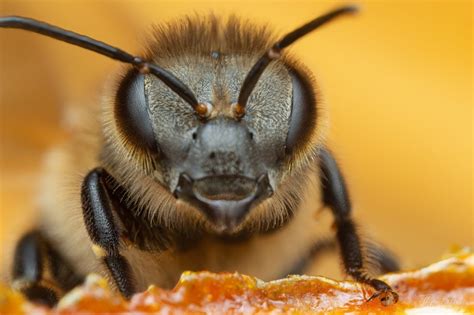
213	160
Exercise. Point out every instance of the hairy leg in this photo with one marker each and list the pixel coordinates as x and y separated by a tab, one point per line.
99	207
336	196
40	272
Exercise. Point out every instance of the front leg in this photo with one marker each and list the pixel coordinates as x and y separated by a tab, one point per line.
100	218
335	195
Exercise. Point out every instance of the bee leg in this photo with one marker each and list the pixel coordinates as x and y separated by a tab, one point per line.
336	196
39	272
101	220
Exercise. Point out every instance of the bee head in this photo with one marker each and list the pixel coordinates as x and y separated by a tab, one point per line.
227	148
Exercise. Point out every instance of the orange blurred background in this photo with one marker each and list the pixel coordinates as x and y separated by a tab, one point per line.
397	80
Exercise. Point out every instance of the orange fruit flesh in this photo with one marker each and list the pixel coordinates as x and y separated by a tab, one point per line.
446	286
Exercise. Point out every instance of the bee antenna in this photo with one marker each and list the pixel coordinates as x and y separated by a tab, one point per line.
104	49
275	52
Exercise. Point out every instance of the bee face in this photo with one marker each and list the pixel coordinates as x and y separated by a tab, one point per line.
223	166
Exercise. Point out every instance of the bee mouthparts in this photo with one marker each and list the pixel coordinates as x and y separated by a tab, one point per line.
224	200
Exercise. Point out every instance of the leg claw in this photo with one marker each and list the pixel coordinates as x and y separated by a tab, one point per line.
386	297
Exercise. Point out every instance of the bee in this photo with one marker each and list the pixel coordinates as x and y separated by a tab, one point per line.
206	153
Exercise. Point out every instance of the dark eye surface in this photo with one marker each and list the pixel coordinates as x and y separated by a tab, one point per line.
303	112
131	112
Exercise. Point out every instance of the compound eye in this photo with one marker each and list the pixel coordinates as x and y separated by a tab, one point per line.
303	112
131	112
